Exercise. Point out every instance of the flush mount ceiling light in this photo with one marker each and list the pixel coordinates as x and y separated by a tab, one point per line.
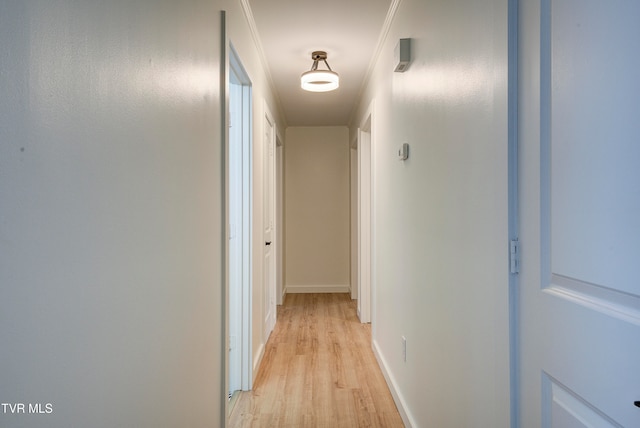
316	80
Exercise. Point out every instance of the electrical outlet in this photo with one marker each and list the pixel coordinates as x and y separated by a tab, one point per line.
404	349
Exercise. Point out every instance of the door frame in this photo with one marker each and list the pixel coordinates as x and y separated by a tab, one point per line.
366	274
279	197
244	318
513	214
353	215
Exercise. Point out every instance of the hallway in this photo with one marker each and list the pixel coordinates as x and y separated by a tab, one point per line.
501	154
318	371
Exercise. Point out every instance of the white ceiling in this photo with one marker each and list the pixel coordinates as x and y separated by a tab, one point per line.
348	30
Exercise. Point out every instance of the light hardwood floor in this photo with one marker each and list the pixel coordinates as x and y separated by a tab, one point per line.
318	371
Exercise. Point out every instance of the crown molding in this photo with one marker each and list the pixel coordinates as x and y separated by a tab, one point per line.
257	41
382	38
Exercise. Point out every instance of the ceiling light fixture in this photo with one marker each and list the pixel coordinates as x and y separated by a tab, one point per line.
316	80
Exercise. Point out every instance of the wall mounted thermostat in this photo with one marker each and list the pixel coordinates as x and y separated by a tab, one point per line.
403	152
402	55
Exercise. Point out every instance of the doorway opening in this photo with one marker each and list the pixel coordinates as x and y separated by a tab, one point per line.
240	230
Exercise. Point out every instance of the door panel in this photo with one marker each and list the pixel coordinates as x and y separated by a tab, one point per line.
566	410
595	117
579	204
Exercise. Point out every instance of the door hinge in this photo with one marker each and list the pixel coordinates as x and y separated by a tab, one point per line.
514	256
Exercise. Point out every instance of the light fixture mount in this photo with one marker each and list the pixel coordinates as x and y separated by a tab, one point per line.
316	80
319	56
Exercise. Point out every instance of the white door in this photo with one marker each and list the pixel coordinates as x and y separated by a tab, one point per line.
579	137
269	293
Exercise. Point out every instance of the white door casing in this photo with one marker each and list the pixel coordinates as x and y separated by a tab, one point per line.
364	222
279	190
240	230
269	207
579	157
353	159
235	234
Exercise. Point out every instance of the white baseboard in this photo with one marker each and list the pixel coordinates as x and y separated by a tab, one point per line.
256	363
395	392
317	289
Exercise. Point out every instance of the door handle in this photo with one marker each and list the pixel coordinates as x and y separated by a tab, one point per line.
637	403
267	243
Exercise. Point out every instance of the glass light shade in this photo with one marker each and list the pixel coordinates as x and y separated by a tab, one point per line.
319	80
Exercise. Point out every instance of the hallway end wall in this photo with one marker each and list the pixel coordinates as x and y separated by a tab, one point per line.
317	210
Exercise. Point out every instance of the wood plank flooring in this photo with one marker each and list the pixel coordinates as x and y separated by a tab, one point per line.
318	371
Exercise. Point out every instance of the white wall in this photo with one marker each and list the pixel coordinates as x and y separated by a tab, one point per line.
440	218
111	210
317	209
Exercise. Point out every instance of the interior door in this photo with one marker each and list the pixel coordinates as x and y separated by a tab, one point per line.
579	164
269	225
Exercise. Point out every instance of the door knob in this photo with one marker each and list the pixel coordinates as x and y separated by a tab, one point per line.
267	243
